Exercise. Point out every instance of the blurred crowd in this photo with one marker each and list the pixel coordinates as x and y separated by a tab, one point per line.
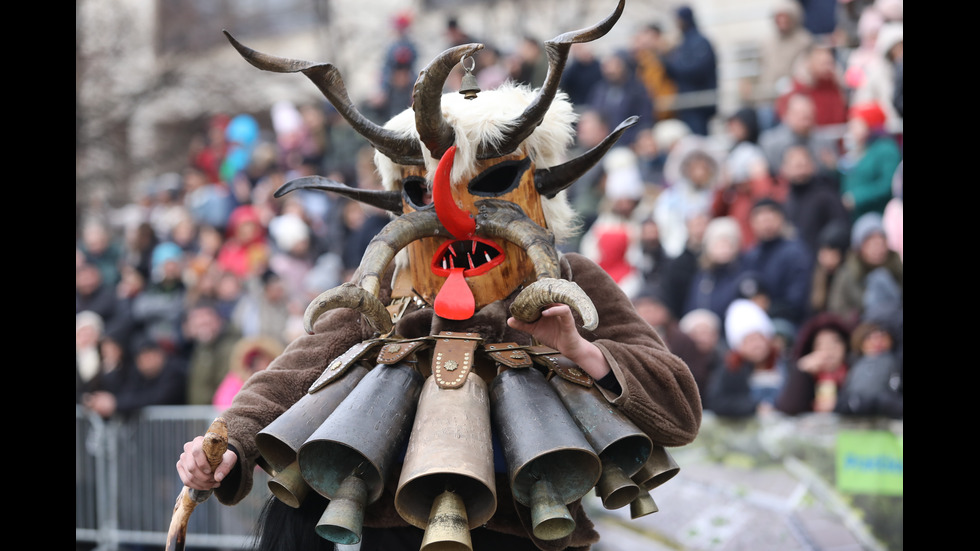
764	244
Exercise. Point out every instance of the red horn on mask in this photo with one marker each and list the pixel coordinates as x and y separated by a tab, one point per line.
459	222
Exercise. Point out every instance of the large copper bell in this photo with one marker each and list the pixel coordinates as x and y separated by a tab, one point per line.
447	479
348	458
550	462
279	442
622	447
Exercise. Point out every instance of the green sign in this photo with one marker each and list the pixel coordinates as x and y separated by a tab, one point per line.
870	462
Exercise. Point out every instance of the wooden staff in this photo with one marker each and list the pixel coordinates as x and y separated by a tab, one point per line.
215	444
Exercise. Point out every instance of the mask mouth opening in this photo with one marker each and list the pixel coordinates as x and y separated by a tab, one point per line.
476	256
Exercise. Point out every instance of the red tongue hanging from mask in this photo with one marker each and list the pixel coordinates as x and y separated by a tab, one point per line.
455	299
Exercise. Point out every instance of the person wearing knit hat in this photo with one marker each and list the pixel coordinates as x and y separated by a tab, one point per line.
870	162
750	381
744	318
869	253
864	227
166	261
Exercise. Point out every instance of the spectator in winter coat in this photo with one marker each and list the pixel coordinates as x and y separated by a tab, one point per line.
746	176
779	53
870	162
690	195
874	384
813	202
212	340
833	243
715	283
782	261
750	379
817	76
620	95
869	254
159	378
798	126
817	367
704	328
693	66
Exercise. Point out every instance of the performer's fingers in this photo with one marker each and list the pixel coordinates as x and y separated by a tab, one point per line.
556	310
228	461
197	453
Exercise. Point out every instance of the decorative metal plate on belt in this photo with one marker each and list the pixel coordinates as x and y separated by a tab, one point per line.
337	367
452	358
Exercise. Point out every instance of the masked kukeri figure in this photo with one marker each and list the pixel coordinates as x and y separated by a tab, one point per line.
469	384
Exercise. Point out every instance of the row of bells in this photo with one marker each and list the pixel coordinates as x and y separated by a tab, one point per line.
560	440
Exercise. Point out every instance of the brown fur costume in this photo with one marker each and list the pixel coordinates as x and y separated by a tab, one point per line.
659	393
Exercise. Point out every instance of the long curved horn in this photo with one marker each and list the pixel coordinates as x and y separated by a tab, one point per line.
434	132
362	292
348	295
398	147
506	220
495	218
544	292
549	181
386	200
557	49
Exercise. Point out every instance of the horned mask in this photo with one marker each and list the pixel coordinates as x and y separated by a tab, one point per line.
473	183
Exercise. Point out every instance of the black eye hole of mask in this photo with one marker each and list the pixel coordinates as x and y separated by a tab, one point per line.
416	192
499	179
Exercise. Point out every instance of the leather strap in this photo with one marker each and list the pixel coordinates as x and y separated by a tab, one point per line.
568	370
452	358
396	351
509	355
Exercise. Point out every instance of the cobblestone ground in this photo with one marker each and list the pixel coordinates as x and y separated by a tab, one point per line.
743	500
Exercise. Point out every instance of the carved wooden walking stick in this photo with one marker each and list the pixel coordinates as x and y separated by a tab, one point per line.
215	444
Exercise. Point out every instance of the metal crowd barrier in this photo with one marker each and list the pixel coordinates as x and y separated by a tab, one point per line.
126	483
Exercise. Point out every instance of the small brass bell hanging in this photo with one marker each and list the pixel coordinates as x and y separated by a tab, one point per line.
469	87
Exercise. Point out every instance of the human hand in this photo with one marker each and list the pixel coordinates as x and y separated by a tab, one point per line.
556	329
101	402
194	470
813	363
